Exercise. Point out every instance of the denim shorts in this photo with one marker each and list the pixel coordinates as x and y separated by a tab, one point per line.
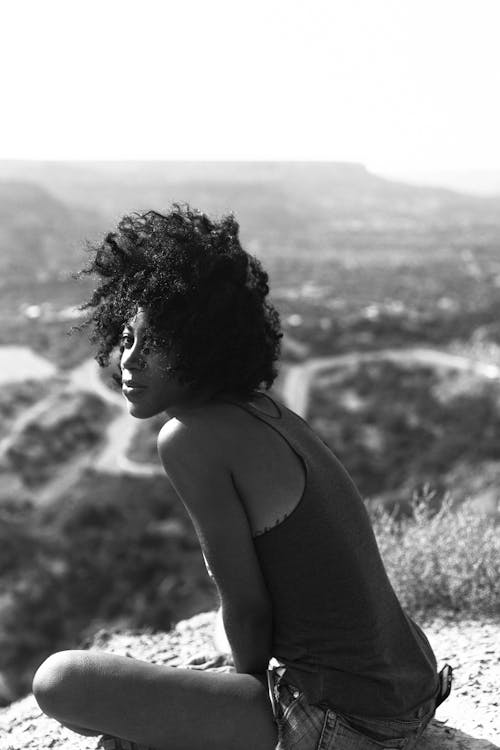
302	726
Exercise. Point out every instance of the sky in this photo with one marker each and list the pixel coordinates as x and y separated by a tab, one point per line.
394	84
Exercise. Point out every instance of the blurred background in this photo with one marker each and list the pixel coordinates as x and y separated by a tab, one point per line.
357	145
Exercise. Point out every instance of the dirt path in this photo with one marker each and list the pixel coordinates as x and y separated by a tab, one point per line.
120	432
110	457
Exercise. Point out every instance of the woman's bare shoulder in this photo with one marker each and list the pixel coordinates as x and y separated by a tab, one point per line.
212	429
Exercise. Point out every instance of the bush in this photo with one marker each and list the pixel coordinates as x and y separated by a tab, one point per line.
442	561
118	552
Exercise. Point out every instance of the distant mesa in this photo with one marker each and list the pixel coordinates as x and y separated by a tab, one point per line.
48	210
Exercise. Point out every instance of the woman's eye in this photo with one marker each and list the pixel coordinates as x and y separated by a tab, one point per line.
126	342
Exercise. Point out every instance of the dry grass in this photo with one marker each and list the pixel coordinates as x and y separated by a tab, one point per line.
444	561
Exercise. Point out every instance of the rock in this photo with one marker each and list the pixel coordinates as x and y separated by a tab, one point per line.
24	727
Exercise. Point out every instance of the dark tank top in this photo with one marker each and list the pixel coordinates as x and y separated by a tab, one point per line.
337	623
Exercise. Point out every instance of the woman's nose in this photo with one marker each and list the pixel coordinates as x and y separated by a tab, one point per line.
132	359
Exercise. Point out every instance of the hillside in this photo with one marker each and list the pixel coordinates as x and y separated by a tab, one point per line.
283	208
40	235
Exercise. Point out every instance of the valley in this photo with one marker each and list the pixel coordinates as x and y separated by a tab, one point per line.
390	305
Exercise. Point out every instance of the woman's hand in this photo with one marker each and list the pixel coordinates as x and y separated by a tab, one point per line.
218	663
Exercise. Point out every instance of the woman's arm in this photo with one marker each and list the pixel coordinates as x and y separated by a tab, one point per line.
195	462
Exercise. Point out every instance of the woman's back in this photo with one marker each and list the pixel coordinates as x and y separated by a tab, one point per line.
337	624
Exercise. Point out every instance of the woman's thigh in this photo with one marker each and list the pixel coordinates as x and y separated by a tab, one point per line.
163	707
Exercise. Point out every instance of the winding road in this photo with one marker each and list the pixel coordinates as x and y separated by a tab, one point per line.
112	458
295	392
297	382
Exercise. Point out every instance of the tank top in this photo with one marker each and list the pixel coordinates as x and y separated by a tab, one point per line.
338	626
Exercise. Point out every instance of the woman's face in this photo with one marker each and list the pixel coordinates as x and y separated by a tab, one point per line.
147	384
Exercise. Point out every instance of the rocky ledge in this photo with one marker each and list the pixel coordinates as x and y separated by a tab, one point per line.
468	720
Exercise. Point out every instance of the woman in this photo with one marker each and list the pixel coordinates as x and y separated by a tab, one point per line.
281	525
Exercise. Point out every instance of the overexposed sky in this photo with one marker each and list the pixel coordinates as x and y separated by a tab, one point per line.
404	84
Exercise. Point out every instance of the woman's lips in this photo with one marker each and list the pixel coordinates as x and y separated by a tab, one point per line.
132	389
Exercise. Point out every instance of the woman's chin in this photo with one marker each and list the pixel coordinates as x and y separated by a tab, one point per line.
139	411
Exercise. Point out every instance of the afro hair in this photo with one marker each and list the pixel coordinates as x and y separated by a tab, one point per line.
205	297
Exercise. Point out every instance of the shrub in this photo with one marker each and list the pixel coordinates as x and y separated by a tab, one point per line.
118	552
444	560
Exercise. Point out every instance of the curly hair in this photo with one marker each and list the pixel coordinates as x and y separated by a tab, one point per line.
205	297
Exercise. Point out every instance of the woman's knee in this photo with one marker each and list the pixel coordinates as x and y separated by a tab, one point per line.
59	683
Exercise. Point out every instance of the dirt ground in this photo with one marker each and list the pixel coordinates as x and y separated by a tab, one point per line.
468	720
473	649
